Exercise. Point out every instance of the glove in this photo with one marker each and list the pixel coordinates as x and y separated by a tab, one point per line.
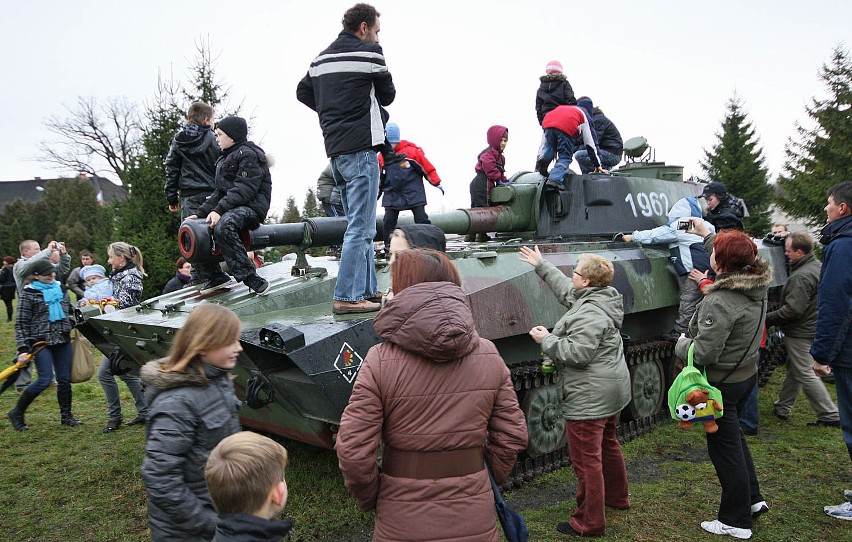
618	237
441	188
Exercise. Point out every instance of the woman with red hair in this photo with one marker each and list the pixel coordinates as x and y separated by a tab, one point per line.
726	332
441	399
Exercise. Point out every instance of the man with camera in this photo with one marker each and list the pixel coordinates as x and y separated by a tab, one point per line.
31	254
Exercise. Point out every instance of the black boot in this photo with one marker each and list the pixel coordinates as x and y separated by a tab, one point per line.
16	415
63	396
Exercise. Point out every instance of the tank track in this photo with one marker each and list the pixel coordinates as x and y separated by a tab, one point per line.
528	375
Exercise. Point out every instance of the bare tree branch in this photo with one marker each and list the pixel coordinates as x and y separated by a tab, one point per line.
95	138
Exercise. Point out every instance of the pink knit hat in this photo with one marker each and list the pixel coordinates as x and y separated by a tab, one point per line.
554	66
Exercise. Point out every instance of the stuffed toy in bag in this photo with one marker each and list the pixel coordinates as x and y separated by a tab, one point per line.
699	408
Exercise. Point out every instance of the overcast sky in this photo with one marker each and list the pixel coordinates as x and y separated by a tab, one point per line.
660	69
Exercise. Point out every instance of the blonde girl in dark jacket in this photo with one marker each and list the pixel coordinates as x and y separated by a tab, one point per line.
192	406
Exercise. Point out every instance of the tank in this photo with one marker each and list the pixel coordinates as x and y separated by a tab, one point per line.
300	361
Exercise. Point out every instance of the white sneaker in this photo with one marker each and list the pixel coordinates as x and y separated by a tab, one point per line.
841	511
717	527
758	509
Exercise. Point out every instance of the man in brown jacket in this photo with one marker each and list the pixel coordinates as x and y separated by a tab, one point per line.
797	317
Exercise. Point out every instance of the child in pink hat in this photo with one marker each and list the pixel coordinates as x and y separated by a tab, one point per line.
554	90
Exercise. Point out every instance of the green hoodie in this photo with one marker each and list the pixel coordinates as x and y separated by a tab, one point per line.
586	347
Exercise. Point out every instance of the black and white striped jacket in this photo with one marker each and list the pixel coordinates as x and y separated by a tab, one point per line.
347	85
32	321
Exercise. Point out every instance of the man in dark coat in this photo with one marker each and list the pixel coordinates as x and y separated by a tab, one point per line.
347	85
832	346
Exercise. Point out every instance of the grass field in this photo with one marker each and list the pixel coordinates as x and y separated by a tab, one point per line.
78	484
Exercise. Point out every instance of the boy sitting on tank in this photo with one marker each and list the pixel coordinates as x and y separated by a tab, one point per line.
241	200
687	253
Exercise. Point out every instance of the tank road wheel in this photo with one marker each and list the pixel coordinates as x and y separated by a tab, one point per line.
545	425
647	388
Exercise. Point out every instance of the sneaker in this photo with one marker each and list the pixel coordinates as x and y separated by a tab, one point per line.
354	307
823	423
717	527
847	493
758	509
257	284
842	511
218	282
553	184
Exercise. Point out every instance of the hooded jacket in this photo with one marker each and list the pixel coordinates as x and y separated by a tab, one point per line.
346	85
433	385
191	162
587	348
242	179
687	249
188	414
491	161
402	182
727	325
797	314
833	340
553	91
32	320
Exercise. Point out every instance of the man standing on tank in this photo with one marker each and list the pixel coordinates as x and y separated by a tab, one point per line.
347	85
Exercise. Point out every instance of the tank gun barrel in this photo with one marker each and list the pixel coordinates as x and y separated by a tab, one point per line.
515	214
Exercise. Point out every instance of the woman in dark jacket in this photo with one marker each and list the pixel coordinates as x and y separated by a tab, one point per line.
192	407
726	333
441	399
181	278
8	288
43	316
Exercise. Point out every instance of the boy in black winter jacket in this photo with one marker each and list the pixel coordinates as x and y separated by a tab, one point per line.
241	200
555	90
191	162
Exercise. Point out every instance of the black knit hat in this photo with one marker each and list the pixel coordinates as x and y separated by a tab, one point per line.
235	128
43	267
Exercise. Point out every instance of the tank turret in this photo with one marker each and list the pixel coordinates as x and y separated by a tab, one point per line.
300	360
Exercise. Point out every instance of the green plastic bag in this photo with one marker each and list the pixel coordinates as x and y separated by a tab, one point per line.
688	380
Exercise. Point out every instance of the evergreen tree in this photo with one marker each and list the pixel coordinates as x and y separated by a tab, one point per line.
737	161
291	212
312	207
822	156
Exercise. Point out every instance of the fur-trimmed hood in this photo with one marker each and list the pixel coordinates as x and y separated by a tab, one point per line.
151	374
752	285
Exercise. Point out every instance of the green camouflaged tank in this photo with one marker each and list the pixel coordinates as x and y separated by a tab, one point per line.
300	361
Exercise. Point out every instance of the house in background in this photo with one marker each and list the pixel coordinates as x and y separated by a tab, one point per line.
32	190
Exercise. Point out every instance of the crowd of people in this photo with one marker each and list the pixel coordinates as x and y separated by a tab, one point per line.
433	399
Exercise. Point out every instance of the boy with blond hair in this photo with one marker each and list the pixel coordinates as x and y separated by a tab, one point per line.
245	478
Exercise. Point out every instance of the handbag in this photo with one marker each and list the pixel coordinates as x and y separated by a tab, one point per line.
514	525
82	361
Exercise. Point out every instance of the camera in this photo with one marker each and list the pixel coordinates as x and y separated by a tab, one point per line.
684	225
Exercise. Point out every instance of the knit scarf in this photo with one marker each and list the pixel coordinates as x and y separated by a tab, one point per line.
52	297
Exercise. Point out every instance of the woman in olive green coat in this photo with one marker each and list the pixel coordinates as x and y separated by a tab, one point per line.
587	349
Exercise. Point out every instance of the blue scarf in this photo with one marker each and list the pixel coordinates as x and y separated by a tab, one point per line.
53	298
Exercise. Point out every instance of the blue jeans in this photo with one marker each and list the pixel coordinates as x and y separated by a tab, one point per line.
55	358
608	160
358	173
843	386
560	145
110	387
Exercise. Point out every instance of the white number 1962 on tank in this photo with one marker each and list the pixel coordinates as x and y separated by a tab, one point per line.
649	204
